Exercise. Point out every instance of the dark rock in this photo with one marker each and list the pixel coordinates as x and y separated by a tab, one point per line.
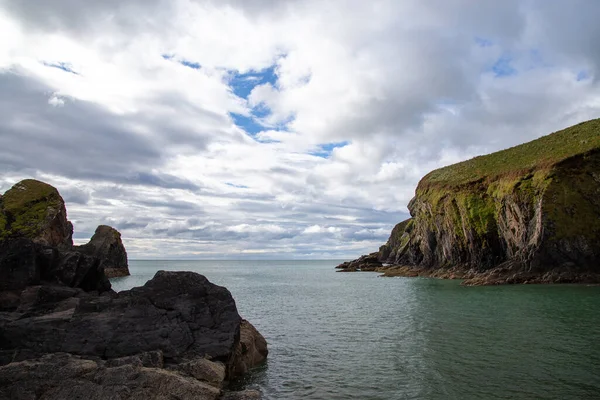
107	246
65	334
179	313
24	263
369	262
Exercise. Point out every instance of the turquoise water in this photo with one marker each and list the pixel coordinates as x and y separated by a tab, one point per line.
357	336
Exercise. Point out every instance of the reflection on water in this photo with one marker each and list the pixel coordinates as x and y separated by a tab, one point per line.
342	335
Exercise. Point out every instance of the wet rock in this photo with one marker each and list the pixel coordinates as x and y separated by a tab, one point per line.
250	351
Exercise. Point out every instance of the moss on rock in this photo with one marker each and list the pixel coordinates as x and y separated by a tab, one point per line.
533	207
35	210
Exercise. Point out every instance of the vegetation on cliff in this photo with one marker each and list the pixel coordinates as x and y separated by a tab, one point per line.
526	214
34	210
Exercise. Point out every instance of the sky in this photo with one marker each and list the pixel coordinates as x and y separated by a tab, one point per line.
281	129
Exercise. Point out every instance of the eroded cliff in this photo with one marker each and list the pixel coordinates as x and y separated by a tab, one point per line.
527	214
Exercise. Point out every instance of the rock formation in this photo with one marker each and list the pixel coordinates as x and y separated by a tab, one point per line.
106	245
35	210
64	333
528	214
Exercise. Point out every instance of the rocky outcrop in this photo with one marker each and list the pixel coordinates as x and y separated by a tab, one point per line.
35	210
106	244
529	214
178	330
64	333
369	262
64	376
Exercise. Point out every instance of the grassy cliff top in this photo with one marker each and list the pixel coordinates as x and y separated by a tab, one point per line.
541	153
25	207
29	191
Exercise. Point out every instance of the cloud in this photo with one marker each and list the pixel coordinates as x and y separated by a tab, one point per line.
271	128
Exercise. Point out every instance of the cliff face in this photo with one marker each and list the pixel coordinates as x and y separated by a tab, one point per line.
526	214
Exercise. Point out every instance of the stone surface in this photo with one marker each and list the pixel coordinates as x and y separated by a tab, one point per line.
62	376
24	263
251	350
179	313
243	395
106	244
35	210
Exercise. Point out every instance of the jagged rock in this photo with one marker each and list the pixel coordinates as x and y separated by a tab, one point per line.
529	214
369	262
64	333
24	263
180	313
35	210
106	245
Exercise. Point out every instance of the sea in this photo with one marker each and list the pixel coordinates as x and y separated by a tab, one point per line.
335	335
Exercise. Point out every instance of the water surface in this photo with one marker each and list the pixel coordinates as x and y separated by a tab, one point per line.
357	336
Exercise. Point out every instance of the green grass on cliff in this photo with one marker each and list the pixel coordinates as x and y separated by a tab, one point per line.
521	160
24	208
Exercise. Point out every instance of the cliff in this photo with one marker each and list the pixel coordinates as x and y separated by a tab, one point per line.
528	214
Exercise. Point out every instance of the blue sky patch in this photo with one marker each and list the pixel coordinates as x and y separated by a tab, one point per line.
502	67
236	186
184	62
326	149
248	124
61	65
582	75
242	84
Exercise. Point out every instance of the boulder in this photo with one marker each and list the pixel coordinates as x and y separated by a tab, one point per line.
35	210
106	245
251	350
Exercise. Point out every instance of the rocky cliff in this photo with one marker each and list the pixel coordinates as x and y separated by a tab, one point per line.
64	333
528	214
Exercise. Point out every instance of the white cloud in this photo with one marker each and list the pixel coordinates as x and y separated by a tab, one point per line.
149	144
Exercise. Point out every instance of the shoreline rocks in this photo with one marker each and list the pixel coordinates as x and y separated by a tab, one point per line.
64	333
